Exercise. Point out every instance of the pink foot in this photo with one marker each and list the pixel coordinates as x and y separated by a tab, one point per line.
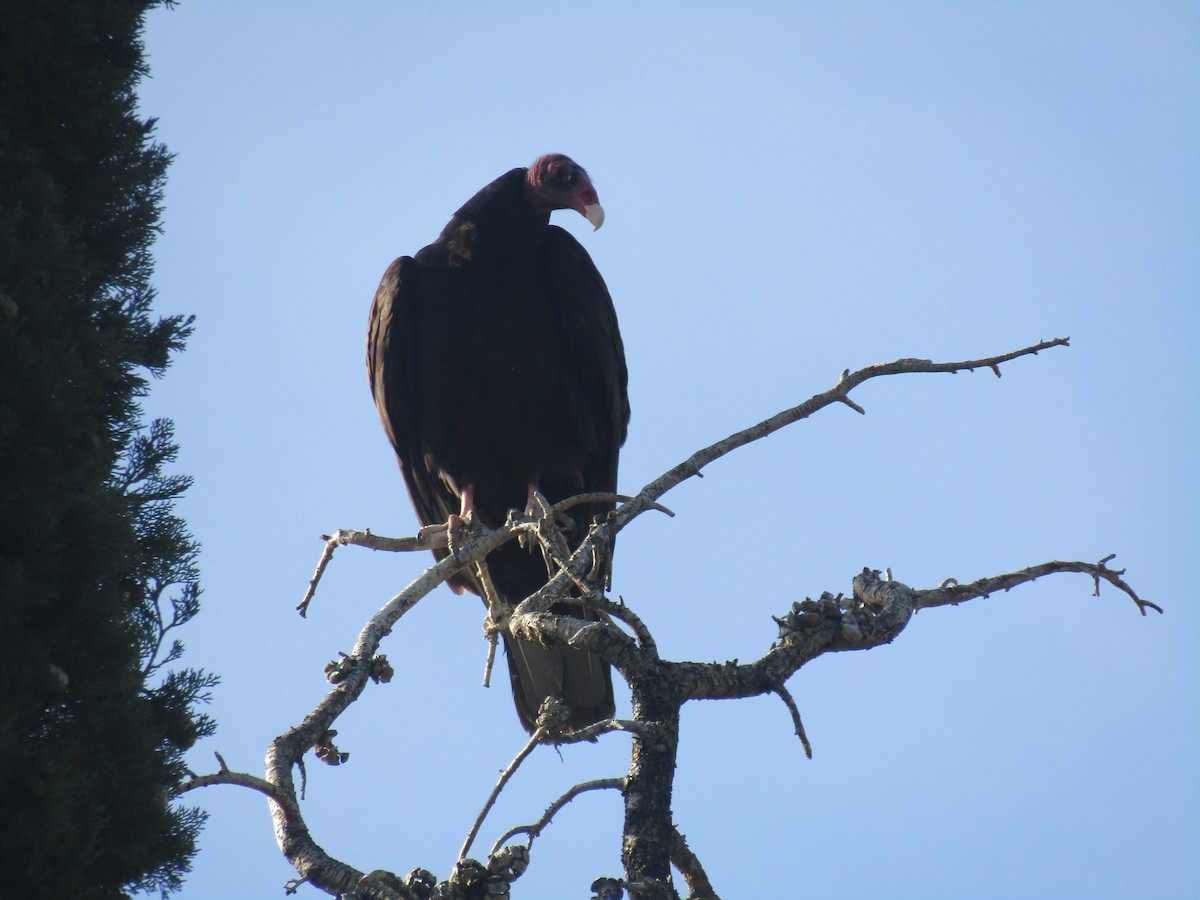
531	489
468	500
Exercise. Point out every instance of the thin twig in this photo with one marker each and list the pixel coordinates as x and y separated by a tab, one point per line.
496	619
493	639
951	592
331	544
604	497
426	539
837	394
508	773
604	726
618	610
431	537
228	776
537	827
795	711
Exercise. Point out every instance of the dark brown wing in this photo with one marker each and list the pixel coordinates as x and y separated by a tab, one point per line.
393	364
595	373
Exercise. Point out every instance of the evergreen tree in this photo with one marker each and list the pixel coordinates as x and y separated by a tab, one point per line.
96	570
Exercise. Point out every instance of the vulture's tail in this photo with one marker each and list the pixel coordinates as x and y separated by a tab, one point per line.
578	677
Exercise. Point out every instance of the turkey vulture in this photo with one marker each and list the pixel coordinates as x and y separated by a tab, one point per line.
497	369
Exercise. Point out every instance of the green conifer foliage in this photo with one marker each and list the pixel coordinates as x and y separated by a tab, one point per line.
96	570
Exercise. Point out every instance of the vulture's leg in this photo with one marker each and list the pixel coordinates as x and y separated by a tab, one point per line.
468	500
539	507
531	504
532	509
454	525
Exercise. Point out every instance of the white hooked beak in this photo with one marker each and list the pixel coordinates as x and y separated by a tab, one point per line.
594	213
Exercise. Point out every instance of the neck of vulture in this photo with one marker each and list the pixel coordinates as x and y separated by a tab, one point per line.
497	226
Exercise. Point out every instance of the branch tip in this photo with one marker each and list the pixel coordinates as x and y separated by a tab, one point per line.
783	694
534	740
537	827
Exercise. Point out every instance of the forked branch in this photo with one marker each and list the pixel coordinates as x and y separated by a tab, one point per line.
950	592
532	831
875	613
839	393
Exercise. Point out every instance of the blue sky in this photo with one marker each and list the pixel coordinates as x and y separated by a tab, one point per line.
791	190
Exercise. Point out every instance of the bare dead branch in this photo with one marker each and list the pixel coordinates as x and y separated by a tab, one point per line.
575	571
604	639
537	827
837	394
602	497
429	538
287	750
951	593
688	864
618	610
326	556
605	726
228	776
790	702
495	620
534	740
425	540
876	614
493	640
877	611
